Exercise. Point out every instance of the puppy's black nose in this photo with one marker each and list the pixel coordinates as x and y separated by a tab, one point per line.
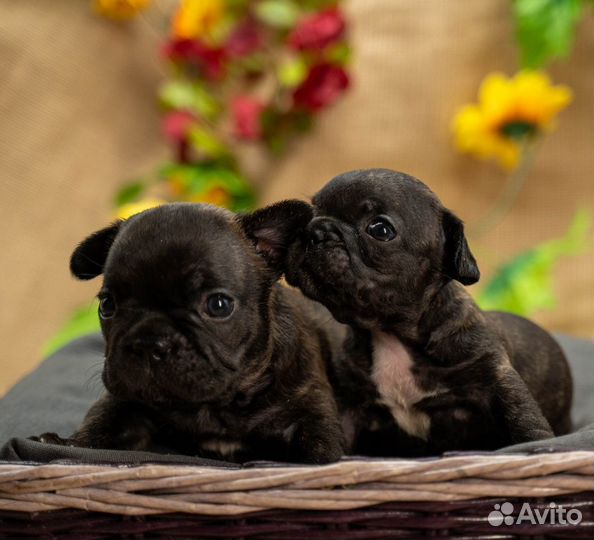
147	349
321	230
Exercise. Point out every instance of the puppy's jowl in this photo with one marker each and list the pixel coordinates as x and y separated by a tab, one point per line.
205	353
424	369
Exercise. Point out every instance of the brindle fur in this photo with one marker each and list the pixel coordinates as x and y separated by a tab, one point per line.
491	379
251	387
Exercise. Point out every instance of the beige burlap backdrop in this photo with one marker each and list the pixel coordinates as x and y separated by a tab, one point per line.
78	117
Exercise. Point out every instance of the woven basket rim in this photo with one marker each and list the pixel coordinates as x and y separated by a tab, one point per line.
147	489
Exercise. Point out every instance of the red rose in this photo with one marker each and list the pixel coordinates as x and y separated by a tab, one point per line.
176	125
322	87
318	30
247	118
244	40
210	61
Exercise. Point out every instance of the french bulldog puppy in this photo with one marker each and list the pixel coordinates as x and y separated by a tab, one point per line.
424	370
205	353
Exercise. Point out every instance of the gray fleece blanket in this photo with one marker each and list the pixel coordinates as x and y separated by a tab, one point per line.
56	396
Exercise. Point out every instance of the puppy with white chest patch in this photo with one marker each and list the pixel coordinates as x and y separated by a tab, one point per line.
424	370
205	353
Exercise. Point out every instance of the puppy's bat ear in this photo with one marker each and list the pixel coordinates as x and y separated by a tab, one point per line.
274	228
459	263
88	258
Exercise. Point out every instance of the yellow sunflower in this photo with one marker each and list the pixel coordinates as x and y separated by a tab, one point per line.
509	112
120	9
196	18
128	210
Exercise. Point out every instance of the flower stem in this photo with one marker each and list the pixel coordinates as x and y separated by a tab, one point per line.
183	152
509	195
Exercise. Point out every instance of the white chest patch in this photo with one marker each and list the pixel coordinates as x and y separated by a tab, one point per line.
224	448
396	385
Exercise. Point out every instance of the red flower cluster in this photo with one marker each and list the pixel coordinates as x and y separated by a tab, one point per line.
244	40
208	60
247	118
317	31
177	124
232	65
322	87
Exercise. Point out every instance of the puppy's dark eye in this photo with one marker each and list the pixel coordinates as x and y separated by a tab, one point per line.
381	229
107	306
219	305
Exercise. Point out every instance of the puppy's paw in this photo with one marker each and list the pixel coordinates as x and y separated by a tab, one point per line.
51	438
320	452
321	446
537	433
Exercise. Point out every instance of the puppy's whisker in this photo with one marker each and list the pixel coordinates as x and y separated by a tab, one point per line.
93	381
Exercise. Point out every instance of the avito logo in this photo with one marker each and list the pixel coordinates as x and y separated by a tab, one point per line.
553	514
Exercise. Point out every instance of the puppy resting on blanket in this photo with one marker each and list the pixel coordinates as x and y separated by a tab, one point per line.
205	353
425	370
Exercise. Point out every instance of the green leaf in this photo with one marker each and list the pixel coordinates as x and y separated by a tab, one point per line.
317	5
292	72
254	64
235	5
84	321
521	286
525	285
280	13
206	142
339	53
202	177
545	29
245	203
177	94
205	104
129	193
182	94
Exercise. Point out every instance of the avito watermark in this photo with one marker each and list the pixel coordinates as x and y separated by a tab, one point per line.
553	514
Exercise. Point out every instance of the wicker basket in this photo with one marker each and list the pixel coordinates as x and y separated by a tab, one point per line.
450	497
